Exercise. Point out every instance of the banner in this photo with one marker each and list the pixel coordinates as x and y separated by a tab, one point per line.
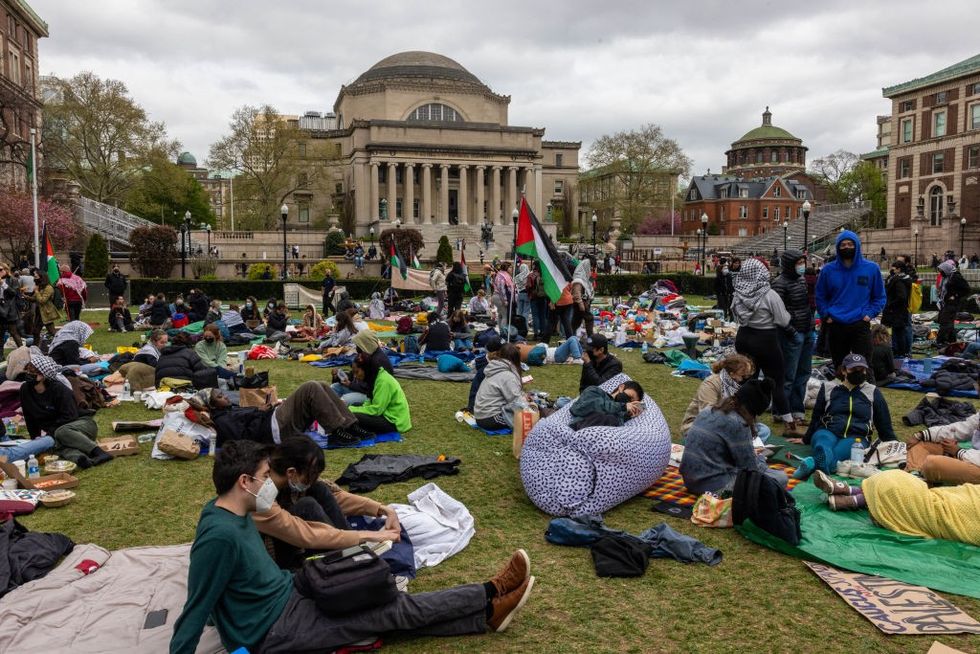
297	296
416	280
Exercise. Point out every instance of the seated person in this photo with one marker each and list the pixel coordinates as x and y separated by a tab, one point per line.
310	514
386	410
479	306
344	329
199	304
179	361
120	319
66	346
501	390
233	320
214	312
234	583
437	335
460	328
371	357
727	375
599	366
480	364
277	319
270	306
144	310
149	354
882	358
903	503
250	312
377	309
312	401
34	446
178	305
846	410
719	443
595	407
343	303
936	454
160	313
213	352
49	405
311	325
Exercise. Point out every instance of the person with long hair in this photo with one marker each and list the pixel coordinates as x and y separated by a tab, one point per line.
501	390
345	328
952	290
213	352
460	327
370	358
455	287
311	326
503	295
582	292
727	376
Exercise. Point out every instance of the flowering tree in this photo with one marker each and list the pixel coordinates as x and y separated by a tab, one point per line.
17	224
654	225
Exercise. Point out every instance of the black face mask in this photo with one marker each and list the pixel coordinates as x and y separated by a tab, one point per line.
856	377
622	398
848	254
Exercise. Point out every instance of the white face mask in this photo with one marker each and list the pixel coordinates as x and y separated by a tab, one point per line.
800	270
266	496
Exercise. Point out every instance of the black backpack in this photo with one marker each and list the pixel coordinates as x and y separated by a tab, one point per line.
346	581
762	500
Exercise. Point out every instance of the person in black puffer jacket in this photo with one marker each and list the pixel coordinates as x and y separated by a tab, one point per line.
898	287
798	348
179	360
199	304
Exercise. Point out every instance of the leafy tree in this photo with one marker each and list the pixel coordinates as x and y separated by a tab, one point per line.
445	252
262	271
163	192
334	243
833	172
320	268
96	257
405	239
635	162
17	224
99	136
154	251
848	179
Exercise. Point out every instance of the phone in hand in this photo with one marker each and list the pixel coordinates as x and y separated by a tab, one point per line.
343	377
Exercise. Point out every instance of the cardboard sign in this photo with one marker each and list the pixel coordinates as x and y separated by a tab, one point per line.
896	607
524	420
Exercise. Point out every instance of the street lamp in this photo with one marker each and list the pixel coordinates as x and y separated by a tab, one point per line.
595	222
208	229
704	245
806	223
785	227
515	214
185	242
384	208
915	258
549	211
284	212
962	231
697	232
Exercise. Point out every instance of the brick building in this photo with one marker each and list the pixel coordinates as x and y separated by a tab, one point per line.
766	151
738	206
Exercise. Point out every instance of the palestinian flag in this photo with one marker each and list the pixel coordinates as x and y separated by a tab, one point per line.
396	262
533	242
49	263
466	271
415	260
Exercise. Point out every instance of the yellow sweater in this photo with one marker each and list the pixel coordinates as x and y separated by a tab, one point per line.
904	503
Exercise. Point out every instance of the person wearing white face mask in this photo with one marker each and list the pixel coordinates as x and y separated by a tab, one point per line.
234	583
797	348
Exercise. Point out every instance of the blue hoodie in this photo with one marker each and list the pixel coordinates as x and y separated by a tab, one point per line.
848	294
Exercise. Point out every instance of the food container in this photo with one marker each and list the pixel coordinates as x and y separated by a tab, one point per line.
59	465
54	499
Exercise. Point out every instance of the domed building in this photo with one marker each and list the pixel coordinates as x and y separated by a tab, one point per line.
766	151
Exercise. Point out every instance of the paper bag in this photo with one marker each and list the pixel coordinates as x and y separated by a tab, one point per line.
712	511
178	445
257	397
524	420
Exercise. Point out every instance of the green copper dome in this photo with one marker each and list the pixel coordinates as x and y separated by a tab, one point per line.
187	159
766	132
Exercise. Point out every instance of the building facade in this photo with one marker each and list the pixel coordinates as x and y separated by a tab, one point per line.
20	104
218	187
606	191
766	151
738	206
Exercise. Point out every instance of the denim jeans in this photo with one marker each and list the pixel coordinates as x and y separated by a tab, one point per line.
462	344
523	305
828	449
798	357
23	452
539	317
571	348
350	398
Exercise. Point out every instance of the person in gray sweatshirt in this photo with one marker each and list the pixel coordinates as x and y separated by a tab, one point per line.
501	392
761	315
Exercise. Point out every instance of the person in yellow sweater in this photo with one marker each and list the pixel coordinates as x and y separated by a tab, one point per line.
904	503
310	514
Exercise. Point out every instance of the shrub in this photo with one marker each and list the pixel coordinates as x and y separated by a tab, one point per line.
96	256
259	270
154	252
406	240
333	244
203	268
445	252
319	270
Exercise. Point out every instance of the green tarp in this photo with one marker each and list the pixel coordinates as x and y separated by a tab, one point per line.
849	540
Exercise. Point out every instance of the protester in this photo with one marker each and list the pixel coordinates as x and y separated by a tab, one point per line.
160	313
724	289
179	361
581	290
214	312
727	376
199	305
479	307
250	312
371	357
952	291
120	319
149	354
232	319
213	351
460	328
115	282
849	294
560	314
523	308
311	325
898	288
344	329
74	290
538	298
503	295
491	347
500	392
882	358
386	410
10	321
437	280
376	307
598	365
65	348
437	336
797	348
456	282
178	306
47	311
720	442
277	320
760	314
327	286
595	407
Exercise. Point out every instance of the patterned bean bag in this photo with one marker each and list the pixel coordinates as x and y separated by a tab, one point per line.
574	473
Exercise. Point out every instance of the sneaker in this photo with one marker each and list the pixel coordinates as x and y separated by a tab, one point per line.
842	502
862	470
360	432
830	486
340	437
514	573
805	469
578	362
844	468
506	606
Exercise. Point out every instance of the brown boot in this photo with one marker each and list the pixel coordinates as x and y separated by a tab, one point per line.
514	573
506	606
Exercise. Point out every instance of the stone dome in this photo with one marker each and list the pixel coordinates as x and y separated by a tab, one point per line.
416	64
187	159
765	132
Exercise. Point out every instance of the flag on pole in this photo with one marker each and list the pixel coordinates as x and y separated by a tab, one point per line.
396	262
413	257
466	271
533	242
50	263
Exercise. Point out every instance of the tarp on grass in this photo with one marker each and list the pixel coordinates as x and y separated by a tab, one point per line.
850	540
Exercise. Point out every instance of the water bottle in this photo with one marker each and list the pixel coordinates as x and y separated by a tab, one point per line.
127	391
857	451
241	364
212	444
644	348
33	469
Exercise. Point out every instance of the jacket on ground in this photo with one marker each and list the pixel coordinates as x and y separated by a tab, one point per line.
182	362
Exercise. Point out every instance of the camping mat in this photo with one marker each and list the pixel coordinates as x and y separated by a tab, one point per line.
321	440
670	487
849	540
495	432
785	449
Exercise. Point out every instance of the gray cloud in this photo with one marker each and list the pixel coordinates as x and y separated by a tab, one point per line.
704	71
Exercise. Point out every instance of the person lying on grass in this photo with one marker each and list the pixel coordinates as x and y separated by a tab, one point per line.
595	407
936	453
310	514
235	584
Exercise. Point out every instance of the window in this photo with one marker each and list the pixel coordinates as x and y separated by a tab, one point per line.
743	193
973	156
765	212
436	112
776	192
724	193
801	194
28	77
939	123
941	97
559	186
906	130
936	206
338	188
908	105
975	89
415	209
904	168
15	67
773	157
301	147
776	215
558	160
304	213
743	212
398	208
742	231
975	116
938	162
758	156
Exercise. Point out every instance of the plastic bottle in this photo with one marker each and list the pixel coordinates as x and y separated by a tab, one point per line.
212	444
33	468
127	390
645	347
857	451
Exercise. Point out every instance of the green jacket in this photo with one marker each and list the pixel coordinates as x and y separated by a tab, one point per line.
214	355
595	400
387	401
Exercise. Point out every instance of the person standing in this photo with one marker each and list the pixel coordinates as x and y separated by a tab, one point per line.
437	280
539	302
455	286
503	295
797	348
723	288
850	292
116	283
520	284
896	311
328	286
75	291
581	289
952	290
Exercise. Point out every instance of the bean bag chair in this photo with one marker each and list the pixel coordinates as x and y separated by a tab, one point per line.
588	472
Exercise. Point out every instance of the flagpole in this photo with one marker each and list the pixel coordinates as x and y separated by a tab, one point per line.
513	286
37	236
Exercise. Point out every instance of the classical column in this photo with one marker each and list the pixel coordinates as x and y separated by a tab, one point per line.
527	175
426	194
539	191
512	195
408	193
444	194
495	196
392	190
463	200
373	214
362	194
480	191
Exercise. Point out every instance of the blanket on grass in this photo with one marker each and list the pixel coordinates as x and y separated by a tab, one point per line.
432	374
322	441
670	487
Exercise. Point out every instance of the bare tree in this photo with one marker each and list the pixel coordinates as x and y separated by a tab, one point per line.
834	171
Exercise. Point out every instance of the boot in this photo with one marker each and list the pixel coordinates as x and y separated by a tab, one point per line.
793	430
513	574
506	606
99	456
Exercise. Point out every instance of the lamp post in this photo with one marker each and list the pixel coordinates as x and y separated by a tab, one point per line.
549	211
371	231
183	250
697	261
704	245
806	224
962	232
187	222
208	229
915	257
595	222
284	212
398	224
785	227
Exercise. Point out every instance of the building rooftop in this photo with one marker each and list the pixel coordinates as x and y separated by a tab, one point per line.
875	154
187	159
765	132
417	64
965	67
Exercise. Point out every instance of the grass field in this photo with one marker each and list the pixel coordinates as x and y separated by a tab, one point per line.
754	601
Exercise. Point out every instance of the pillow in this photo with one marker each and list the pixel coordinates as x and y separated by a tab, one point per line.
450	363
537	355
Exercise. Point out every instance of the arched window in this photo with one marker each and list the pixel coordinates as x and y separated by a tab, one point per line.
936	201
436	112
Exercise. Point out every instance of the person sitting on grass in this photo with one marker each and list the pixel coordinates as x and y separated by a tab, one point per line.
235	584
277	319
120	319
160	313
719	443
386	410
178	360
460	328
49	406
214	312
479	307
437	335
371	357
903	503
213	352
311	326
66	346
882	357
599	366
501	391
232	318
149	354
595	407
727	375
250	312
492	346
310	514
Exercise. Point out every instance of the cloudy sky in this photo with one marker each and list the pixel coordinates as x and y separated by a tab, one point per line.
703	70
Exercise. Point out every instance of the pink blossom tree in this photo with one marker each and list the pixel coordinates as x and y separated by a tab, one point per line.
655	225
17	224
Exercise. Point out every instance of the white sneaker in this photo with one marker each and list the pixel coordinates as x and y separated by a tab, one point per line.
579	362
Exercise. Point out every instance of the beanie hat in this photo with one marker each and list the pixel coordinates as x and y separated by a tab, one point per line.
755	395
366	341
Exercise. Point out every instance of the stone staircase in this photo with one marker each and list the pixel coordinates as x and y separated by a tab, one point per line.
824	221
112	223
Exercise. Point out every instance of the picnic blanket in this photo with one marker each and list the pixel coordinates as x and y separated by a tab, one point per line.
321	440
670	487
432	374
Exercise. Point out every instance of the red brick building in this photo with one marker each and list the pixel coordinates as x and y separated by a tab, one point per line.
737	206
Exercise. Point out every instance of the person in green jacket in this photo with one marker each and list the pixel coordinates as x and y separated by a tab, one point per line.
387	409
596	407
234	584
213	351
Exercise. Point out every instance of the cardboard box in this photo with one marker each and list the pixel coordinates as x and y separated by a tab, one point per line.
44	482
120	445
524	421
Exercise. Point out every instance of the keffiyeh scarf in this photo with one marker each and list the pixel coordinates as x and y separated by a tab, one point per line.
76	330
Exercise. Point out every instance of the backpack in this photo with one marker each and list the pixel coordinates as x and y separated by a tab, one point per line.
915	297
760	498
404	325
348	581
411	344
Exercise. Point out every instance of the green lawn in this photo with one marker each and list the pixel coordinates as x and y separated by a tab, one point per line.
756	600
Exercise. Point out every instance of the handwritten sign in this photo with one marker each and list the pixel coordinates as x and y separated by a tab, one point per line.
895	607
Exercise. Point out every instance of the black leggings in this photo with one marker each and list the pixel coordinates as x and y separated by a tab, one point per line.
762	346
318	505
376	424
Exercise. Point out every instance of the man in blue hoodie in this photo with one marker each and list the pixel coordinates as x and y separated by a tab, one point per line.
850	292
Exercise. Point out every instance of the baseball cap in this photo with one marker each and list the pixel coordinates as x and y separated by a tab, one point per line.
855	361
597	341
